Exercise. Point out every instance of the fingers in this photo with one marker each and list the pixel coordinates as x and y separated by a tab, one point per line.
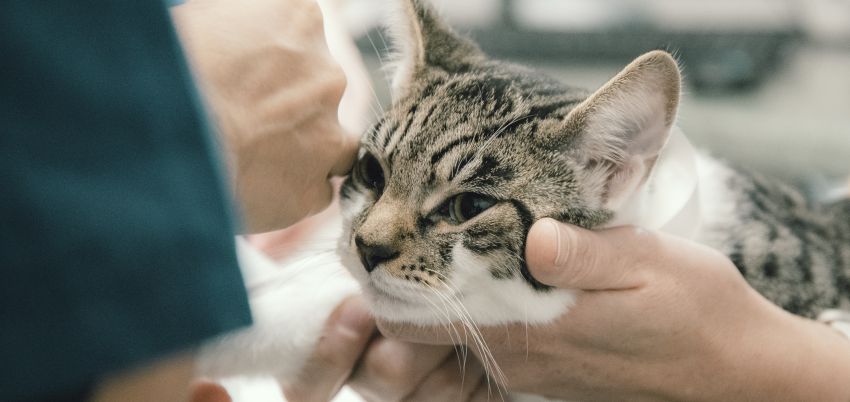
345	336
208	391
456	379
567	256
346	156
484	393
391	369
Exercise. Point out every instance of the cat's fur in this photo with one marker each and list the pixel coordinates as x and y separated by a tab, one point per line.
534	148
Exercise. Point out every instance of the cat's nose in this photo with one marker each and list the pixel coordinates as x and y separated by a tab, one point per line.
371	255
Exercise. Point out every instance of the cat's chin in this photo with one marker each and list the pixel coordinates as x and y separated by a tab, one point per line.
389	308
482	306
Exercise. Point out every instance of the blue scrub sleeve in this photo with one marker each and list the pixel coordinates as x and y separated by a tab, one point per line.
116	239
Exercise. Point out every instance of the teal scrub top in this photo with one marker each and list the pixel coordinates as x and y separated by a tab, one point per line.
116	240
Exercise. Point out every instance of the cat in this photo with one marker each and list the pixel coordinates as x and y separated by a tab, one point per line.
472	151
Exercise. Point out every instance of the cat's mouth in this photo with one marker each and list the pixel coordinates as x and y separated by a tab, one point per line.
388	288
394	299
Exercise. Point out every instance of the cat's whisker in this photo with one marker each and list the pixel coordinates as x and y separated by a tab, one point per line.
488	360
468	329
476	330
459	349
449	321
382	68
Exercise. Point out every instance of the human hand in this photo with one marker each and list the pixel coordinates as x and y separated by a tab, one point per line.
657	317
344	339
266	73
393	370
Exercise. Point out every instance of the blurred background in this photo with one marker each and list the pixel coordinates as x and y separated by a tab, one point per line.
767	81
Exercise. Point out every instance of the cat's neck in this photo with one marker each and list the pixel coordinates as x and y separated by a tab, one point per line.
669	199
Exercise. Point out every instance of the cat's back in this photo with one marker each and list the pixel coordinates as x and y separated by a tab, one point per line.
793	251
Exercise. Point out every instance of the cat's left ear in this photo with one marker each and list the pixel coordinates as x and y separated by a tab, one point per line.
624	125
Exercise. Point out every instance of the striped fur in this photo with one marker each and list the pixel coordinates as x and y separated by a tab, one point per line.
794	252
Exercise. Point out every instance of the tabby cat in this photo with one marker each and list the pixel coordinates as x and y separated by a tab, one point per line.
473	151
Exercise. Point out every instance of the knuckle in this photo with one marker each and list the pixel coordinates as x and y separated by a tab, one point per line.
392	329
446	377
333	355
392	363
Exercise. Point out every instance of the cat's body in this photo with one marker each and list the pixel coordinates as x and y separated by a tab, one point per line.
793	251
473	151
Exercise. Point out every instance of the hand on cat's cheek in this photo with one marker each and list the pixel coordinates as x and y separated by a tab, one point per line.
274	90
656	312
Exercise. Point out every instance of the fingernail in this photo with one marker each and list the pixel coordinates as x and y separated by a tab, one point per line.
549	231
354	318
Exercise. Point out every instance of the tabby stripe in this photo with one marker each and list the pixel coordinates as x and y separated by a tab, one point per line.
770	268
459	165
489	170
393	144
388	134
497	132
527	220
546	109
426	92
440	153
405	138
737	258
376	130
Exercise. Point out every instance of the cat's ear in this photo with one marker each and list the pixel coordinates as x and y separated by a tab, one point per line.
624	125
422	41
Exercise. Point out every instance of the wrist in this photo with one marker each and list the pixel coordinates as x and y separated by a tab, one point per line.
764	354
794	358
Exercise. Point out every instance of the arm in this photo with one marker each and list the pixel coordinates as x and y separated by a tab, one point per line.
659	317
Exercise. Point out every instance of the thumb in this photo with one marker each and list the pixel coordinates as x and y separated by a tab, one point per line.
343	339
568	256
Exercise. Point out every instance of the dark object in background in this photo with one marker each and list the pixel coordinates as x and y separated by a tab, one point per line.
713	61
717	55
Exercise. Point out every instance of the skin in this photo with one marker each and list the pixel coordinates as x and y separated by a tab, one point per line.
680	323
274	91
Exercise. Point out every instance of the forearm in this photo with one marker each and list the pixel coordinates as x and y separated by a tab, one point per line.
783	358
815	362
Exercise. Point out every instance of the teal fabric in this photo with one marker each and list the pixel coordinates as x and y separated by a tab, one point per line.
116	240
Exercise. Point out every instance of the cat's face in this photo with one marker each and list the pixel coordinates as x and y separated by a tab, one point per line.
447	186
470	154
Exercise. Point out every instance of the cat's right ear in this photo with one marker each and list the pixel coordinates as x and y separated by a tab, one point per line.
420	42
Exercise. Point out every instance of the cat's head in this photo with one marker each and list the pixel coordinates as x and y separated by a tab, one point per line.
471	153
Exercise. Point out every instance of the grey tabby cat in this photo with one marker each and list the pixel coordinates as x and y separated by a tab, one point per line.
473	151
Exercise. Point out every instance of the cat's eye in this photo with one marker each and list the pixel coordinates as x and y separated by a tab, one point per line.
466	206
371	172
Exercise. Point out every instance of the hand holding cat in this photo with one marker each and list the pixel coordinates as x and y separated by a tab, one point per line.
345	335
269	78
392	370
657	317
